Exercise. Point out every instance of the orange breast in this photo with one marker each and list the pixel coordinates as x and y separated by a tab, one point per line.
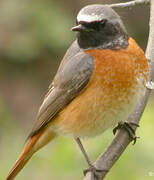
117	71
117	83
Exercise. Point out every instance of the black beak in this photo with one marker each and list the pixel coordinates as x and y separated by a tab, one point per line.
79	27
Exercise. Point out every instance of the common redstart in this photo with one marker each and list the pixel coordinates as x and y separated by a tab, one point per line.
99	82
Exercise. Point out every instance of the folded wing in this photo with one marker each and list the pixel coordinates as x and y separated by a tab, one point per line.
72	77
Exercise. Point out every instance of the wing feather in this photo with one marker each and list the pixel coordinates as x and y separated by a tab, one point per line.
72	76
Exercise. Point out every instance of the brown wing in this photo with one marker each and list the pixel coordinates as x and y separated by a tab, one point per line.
73	75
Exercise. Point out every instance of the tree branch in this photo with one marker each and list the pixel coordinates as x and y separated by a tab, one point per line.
129	4
122	139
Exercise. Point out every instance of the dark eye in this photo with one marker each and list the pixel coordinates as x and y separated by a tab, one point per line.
97	25
93	26
102	23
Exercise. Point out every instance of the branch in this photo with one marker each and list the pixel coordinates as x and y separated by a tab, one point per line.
122	139
129	4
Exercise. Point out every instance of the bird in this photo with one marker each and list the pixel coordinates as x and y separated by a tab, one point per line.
100	80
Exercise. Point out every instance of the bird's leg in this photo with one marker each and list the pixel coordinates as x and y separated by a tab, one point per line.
83	151
91	168
128	126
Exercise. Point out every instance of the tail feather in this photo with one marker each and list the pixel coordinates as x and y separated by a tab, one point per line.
24	157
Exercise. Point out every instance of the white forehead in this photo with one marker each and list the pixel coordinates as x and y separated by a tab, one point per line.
88	18
96	13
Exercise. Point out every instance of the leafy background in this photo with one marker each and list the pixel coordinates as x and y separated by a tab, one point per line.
34	35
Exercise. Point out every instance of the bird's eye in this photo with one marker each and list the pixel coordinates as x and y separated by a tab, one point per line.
103	22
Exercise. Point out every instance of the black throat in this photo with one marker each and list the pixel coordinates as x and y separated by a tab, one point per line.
110	38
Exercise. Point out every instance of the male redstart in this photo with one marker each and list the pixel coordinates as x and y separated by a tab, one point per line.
100	80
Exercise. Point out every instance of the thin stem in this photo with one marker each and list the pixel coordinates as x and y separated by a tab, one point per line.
129	4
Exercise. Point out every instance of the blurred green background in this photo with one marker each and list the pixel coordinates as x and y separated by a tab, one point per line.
34	36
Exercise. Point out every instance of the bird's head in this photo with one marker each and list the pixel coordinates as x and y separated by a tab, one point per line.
99	26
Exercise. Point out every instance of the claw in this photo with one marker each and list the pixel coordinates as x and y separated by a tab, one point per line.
128	126
119	126
94	171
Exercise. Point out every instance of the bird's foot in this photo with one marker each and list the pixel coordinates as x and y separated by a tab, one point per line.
95	172
129	127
